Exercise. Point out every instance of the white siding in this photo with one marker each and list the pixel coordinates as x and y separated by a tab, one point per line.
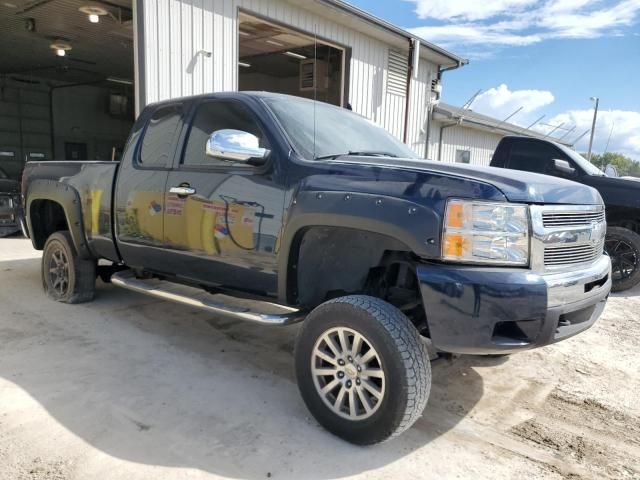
175	31
480	143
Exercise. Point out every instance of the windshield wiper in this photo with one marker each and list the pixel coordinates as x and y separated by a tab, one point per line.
361	153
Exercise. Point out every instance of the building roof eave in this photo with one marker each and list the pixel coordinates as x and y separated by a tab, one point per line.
454	60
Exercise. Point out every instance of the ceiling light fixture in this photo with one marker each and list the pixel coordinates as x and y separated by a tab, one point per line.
60	47
294	55
244	64
246	34
273	42
123	81
93	12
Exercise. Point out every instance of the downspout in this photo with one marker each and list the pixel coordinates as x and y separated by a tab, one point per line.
430	114
442	128
407	102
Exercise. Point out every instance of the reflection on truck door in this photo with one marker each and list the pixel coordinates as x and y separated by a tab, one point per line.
230	224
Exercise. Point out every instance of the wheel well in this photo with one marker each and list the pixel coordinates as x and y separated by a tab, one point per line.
624	217
329	262
46	217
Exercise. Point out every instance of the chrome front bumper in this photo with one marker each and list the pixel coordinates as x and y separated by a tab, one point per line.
577	285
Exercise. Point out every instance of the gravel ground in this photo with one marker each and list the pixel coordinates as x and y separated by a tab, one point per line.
127	387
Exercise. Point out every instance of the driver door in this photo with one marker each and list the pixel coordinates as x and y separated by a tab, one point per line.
224	227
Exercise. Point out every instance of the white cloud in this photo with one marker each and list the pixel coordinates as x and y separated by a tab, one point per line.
500	102
467	9
467	23
622	125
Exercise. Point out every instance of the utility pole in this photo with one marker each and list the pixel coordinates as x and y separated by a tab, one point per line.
593	126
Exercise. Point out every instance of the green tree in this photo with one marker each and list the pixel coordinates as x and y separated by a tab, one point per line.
625	165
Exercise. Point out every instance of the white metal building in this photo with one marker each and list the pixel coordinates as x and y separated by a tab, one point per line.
65	63
188	47
464	136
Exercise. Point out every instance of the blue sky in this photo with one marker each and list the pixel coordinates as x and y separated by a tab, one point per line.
549	56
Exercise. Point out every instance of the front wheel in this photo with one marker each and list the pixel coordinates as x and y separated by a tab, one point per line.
362	369
623	246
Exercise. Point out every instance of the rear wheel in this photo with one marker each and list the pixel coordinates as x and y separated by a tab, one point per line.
623	246
66	277
362	369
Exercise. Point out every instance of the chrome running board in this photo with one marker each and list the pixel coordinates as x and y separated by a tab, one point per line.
265	313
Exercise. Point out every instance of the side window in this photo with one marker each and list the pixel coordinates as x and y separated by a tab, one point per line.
532	156
213	116
158	141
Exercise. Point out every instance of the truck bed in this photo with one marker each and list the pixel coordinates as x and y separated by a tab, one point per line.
93	182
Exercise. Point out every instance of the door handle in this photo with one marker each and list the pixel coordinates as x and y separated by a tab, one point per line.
182	191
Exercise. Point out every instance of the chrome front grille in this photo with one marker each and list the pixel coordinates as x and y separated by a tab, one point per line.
571	254
564	236
569	219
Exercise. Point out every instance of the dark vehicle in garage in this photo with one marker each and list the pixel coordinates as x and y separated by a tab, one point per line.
621	196
276	209
10	205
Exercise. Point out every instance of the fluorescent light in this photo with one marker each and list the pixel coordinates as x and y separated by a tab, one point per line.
273	42
124	81
243	64
246	34
60	52
294	55
93	18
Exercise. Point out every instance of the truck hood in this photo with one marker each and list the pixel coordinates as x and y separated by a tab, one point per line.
516	186
9	186
622	192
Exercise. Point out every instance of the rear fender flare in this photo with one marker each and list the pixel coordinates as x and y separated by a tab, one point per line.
69	199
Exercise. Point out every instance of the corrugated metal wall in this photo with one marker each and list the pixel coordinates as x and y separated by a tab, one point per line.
175	31
480	144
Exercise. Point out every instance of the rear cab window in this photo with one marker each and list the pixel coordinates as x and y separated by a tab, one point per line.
158	142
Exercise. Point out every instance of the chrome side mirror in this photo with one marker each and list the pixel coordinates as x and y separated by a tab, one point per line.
563	166
611	171
236	146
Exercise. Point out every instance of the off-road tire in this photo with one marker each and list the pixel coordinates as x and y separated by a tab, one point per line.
632	240
404	359
81	272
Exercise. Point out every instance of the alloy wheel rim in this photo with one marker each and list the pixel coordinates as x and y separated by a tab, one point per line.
347	373
624	259
59	272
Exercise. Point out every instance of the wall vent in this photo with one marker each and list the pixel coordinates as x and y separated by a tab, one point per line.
397	73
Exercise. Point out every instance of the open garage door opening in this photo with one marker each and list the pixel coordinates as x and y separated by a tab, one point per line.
66	80
278	59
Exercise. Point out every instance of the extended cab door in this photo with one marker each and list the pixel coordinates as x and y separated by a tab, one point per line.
140	186
223	230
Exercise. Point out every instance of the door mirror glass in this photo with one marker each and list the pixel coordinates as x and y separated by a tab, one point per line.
563	166
236	146
611	171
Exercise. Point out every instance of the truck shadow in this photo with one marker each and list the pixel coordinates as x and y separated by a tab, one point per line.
159	384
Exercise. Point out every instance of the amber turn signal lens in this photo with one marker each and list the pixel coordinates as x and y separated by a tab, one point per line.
454	245
455	215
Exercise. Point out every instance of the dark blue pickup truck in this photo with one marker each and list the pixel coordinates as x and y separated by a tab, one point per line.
276	209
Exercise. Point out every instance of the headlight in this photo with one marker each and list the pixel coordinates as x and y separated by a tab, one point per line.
482	232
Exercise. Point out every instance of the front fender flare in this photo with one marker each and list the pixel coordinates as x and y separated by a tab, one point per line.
412	224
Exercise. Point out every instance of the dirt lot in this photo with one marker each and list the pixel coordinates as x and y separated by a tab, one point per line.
128	387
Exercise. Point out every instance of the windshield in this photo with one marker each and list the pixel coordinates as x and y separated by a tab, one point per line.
582	162
338	131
